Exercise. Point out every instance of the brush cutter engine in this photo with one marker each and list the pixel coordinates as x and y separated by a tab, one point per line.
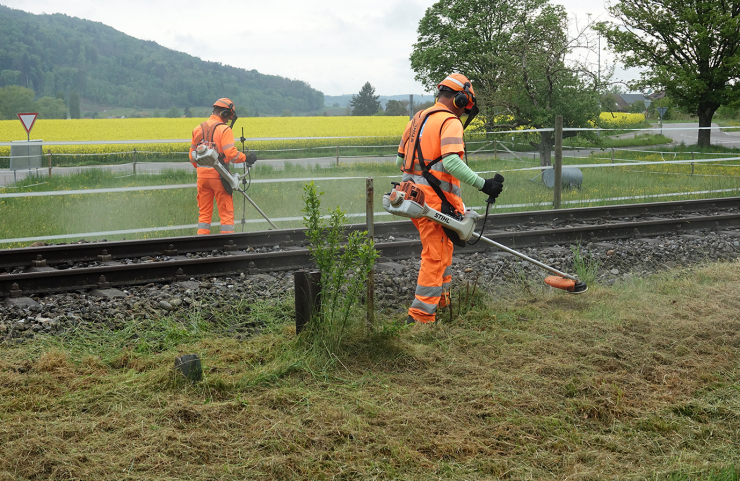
407	200
206	156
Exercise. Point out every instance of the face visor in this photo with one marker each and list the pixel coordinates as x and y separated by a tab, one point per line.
234	118
469	114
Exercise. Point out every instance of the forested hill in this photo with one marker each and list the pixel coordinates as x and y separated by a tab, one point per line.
57	53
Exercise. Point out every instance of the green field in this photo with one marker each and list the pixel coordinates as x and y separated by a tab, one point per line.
524	190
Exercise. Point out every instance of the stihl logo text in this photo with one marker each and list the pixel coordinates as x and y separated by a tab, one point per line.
441	217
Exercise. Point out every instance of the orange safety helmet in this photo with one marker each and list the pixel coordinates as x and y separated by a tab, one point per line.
465	98
226	104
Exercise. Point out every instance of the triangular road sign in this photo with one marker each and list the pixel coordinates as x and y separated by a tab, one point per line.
28	120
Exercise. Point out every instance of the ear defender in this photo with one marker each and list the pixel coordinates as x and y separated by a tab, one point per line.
462	97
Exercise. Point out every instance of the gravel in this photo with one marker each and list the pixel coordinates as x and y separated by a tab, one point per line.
395	282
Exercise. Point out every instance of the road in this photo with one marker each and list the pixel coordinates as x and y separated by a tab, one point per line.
688	133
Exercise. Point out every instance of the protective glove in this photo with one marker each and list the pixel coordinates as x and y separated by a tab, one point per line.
493	187
251	158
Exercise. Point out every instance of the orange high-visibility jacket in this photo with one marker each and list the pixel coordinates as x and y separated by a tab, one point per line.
223	137
440	135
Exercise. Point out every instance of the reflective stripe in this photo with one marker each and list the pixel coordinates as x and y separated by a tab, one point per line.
445	186
455	81
445	289
228	146
448	271
428	291
203	225
226	227
424	307
451	140
193	146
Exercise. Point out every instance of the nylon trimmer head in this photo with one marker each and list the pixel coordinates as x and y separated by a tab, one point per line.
569	285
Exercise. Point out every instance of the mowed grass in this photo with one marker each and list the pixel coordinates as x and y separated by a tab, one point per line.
343	185
637	381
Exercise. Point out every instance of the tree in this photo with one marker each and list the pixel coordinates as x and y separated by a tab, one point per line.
74	104
637	107
172	113
51	108
15	99
397	107
515	54
187	113
688	47
365	102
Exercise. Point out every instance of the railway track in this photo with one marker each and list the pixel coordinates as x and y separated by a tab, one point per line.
69	267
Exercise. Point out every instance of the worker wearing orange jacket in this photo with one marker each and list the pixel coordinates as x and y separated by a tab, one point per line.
210	186
430	155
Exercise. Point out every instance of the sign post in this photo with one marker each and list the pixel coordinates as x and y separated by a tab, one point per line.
28	119
661	111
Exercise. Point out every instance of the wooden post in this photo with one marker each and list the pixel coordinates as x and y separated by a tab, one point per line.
558	164
134	161
495	153
337	156
612	155
49	155
370	221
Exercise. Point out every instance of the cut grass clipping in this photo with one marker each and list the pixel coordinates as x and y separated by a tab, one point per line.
637	381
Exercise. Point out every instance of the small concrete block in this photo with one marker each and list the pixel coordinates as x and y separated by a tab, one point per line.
22	302
190	367
107	293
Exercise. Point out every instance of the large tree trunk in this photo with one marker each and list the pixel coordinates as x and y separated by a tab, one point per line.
705	112
546	142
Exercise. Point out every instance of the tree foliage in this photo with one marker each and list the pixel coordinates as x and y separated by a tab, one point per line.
397	107
688	47
53	53
514	53
365	102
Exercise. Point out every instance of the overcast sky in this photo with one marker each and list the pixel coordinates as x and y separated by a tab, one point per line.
336	46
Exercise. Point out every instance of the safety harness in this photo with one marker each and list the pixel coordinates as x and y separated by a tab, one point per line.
417	125
207	132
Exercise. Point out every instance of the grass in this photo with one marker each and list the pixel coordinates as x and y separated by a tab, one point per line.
524	190
636	381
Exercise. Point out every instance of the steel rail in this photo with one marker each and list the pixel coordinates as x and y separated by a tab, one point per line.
172	246
178	268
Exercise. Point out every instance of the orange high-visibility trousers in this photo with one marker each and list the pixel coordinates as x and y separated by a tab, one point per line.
435	274
208	188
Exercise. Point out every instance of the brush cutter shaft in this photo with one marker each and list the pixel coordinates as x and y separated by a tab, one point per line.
527	258
258	209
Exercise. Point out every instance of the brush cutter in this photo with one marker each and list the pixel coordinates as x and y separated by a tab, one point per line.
206	156
407	200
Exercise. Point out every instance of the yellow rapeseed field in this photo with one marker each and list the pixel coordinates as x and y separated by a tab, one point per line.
377	128
620	119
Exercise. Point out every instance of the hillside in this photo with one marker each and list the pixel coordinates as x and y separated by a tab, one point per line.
57	53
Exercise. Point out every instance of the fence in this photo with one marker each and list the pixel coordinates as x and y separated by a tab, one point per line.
52	209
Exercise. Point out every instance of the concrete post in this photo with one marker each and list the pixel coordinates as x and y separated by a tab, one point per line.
558	163
134	161
49	155
307	297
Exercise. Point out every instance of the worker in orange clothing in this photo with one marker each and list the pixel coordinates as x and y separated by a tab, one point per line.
216	131
430	155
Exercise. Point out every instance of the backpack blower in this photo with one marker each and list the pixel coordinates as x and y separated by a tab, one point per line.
407	200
